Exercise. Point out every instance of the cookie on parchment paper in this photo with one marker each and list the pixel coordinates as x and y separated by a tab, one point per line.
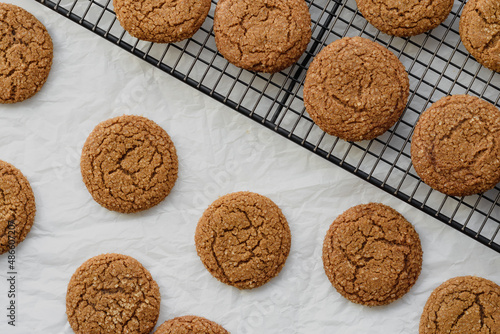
243	239
112	293
262	35
372	254
129	164
26	52
455	146
405	18
480	31
190	324
17	207
355	89
161	21
466	304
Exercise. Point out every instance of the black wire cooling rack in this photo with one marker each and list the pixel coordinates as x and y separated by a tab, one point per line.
437	63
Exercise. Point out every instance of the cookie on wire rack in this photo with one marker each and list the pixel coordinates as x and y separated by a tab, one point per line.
455	147
262	35
405	18
355	89
161	21
479	31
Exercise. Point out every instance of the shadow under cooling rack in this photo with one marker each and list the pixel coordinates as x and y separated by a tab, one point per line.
437	63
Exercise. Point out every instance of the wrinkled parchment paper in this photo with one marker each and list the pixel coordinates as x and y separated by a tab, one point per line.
219	152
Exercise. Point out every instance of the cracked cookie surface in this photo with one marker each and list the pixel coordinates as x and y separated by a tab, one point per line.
262	35
129	164
455	146
355	89
190	324
112	293
161	21
466	304
372	254
243	239
480	31
25	54
17	206
405	18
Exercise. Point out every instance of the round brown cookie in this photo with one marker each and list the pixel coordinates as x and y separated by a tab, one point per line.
161	21
465	304
112	293
480	31
455	147
355	89
405	18
129	164
17	207
190	324
372	254
243	239
262	35
25	54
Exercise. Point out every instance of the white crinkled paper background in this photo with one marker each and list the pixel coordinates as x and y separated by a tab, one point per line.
219	152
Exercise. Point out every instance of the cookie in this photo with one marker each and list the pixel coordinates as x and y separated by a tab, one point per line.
405	18
161	21
243	239
190	324
465	304
262	35
25	54
17	207
112	293
129	164
455	147
355	89
372	254
480	30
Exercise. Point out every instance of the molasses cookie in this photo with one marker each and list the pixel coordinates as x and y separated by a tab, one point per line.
372	254
455	147
405	18
355	89
161	21
25	54
190	325
243	239
129	164
262	35
112	293
465	304
17	207
479	31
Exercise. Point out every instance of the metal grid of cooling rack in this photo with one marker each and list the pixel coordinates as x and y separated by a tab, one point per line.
437	63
